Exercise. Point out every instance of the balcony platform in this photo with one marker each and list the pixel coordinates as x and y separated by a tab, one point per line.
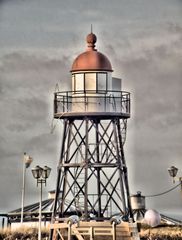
92	104
94	115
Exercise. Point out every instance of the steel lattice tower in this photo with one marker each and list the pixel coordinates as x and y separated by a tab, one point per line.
92	173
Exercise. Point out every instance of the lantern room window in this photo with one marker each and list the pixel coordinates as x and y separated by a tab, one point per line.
101	81
79	82
90	81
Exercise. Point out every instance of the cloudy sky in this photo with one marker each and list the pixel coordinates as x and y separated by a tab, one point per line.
39	41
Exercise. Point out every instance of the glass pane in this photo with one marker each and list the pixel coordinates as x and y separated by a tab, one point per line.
79	81
73	82
90	81
102	81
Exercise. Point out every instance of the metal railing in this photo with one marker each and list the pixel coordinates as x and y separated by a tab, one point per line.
92	101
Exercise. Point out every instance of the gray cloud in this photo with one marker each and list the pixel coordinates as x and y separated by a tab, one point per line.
154	79
26	101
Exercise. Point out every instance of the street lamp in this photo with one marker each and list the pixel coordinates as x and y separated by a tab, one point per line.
41	174
27	160
173	172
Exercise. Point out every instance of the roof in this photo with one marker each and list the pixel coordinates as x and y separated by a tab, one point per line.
91	59
31	212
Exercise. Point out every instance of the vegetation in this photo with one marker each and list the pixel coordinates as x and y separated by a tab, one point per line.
162	232
23	233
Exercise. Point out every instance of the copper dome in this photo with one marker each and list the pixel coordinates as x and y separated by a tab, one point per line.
91	59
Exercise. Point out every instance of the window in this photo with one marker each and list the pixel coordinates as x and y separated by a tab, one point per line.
90	81
79	82
73	82
101	81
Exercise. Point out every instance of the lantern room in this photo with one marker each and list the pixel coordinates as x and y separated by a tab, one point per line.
92	70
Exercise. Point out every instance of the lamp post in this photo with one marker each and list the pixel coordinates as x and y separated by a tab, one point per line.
27	160
173	172
41	175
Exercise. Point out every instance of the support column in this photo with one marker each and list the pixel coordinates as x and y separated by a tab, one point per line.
98	169
125	171
86	171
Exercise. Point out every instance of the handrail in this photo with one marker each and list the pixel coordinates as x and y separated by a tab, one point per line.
92	101
93	91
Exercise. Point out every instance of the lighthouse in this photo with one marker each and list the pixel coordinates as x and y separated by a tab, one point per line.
92	175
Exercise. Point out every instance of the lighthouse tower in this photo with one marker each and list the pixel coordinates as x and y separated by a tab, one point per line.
92	179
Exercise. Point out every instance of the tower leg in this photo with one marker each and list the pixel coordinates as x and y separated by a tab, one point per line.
125	171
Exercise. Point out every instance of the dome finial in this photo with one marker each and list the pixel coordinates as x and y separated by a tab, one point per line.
91	40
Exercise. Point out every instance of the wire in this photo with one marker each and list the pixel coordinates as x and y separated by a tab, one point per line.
159	194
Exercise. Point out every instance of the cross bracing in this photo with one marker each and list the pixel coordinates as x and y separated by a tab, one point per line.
92	164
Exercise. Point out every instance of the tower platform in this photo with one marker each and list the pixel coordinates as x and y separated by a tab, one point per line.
103	104
91	115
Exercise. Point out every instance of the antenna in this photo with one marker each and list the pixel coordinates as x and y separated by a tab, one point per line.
91	28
